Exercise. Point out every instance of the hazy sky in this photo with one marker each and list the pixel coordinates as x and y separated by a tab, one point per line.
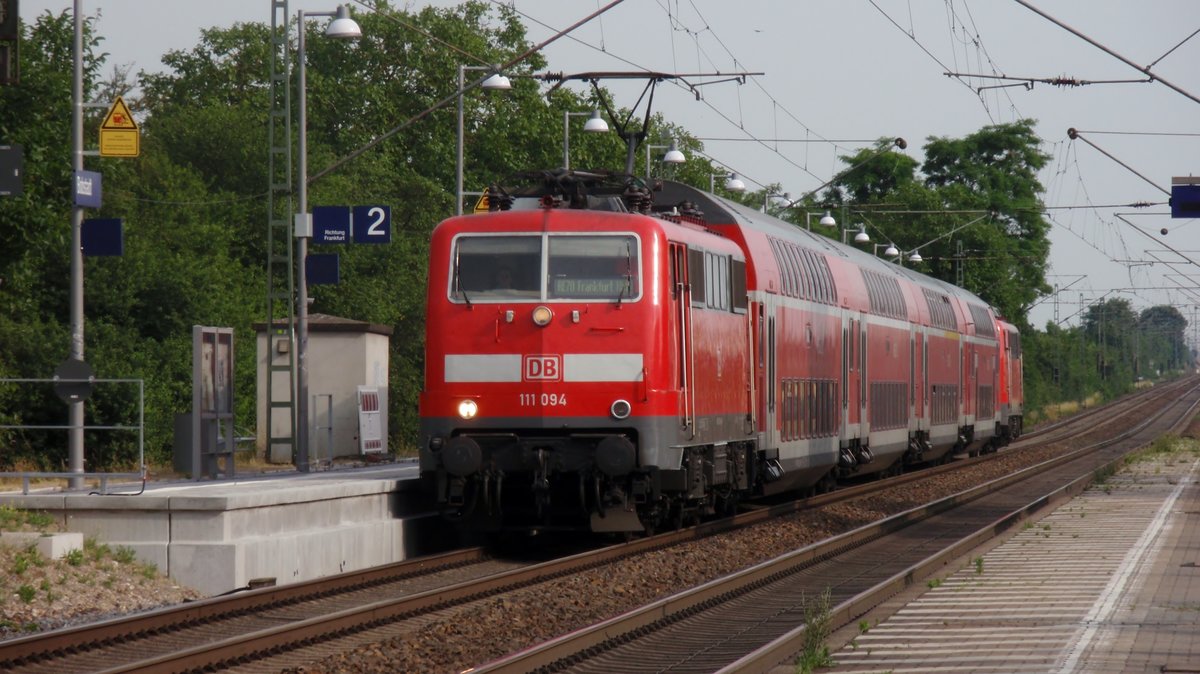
849	71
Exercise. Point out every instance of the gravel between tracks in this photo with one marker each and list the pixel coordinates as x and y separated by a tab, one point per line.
496	627
104	588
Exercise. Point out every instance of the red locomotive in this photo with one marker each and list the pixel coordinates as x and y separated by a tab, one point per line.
602	356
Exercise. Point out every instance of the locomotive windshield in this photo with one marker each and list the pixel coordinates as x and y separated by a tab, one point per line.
546	267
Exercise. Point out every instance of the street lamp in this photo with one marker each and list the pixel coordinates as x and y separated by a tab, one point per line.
861	237
595	124
767	198
889	251
732	182
495	82
673	155
342	27
916	252
826	220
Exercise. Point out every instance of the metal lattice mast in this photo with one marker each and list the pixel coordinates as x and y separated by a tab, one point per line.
281	289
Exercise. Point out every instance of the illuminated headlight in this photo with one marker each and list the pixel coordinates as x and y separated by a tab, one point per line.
620	409
542	315
467	409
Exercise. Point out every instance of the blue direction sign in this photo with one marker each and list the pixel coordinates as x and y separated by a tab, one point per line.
87	189
102	236
331	224
322	269
1185	197
372	224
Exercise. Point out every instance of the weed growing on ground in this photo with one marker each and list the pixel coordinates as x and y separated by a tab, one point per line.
818	624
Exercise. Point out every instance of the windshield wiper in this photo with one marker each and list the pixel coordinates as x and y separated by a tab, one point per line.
458	279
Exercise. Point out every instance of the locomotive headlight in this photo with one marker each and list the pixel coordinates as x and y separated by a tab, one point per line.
542	316
620	409
467	409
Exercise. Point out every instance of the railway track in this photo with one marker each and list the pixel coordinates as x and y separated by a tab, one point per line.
310	620
754	621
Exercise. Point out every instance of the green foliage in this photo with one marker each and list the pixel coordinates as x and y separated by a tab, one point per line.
124	554
16	519
194	208
95	550
26	593
818	625
75	557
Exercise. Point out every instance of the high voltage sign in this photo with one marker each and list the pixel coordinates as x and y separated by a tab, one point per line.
119	135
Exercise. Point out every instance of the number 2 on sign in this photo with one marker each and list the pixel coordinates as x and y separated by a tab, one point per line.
378	216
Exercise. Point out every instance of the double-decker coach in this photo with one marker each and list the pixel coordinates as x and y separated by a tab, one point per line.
602	356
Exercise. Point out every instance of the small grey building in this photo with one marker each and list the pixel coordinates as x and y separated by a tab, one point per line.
343	355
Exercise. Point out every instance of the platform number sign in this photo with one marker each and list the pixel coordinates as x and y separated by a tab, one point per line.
372	224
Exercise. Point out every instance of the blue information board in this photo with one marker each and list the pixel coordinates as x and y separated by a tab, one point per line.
322	269
331	224
102	236
372	224
1185	201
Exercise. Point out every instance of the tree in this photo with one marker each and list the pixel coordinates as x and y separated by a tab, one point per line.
993	173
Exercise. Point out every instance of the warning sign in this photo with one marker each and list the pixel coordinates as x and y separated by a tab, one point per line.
119	135
481	206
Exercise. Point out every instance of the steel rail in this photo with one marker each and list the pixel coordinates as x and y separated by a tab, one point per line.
247	646
556	652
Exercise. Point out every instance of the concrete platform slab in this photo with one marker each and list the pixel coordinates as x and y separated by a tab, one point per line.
216	535
1108	582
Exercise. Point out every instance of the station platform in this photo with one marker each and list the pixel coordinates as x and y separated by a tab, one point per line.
1109	582
217	535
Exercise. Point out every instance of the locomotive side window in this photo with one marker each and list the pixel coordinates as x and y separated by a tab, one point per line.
740	300
696	276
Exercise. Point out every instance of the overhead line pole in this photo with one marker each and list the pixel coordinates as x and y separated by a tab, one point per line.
75	408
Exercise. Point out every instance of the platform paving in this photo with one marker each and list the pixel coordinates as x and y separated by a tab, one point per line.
217	535
1108	582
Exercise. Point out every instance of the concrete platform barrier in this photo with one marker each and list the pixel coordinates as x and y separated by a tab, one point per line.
218	536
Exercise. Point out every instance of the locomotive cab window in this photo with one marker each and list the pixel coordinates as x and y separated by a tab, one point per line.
545	267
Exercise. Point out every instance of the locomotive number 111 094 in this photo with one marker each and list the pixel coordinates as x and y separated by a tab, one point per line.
543	399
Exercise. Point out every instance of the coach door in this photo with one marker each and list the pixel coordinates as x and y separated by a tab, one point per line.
681	311
852	371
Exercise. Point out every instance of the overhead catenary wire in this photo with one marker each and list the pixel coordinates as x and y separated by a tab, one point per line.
1110	52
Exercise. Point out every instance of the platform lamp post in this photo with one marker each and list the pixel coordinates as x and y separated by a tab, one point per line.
889	250
860	237
595	124
768	195
342	27
494	82
732	182
672	156
827	220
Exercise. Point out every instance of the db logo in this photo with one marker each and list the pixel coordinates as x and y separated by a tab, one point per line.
542	368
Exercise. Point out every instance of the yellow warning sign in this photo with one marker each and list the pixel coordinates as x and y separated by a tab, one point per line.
481	206
119	135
